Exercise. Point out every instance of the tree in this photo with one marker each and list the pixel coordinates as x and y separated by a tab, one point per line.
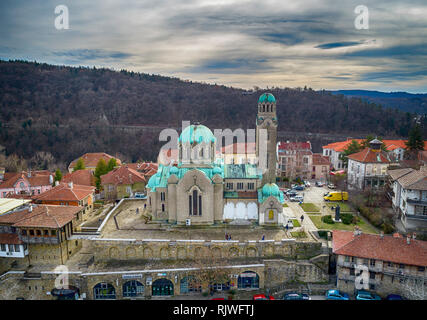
353	147
415	142
101	169
80	165
58	175
112	163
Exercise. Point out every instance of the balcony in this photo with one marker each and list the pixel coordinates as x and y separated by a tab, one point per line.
43	240
422	202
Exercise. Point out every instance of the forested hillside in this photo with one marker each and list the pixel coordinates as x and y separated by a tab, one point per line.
67	111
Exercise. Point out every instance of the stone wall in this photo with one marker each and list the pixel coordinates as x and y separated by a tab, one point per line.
122	249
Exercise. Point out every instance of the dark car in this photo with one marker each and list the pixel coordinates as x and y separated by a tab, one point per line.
299	188
366	295
394	297
296	296
291	193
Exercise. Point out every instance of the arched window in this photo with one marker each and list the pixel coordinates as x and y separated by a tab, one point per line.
195	203
263	108
133	288
248	280
162	287
104	291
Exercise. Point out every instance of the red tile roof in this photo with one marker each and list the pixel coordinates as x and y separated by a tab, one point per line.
53	217
370	246
81	177
294	145
37	178
122	175
367	155
239	148
63	192
319	159
146	168
91	159
10	238
389	144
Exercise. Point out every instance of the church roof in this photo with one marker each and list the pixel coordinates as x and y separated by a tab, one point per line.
266	97
196	134
268	190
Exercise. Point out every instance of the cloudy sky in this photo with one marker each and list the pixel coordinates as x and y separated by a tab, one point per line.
243	43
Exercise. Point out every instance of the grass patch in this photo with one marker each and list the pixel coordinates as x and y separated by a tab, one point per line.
365	227
299	234
296	223
345	207
285	205
309	207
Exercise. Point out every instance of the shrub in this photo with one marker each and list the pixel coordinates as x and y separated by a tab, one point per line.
346	218
388	228
328	219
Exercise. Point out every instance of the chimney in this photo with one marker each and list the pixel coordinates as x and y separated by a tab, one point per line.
408	239
70	184
50	179
414	236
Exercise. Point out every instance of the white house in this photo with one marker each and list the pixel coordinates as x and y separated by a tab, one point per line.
409	197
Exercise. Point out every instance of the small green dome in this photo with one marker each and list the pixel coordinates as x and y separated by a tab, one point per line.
266	97
217	170
196	133
270	189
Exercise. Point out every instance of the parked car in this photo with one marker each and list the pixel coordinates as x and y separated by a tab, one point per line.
331	186
296	198
296	296
366	295
394	297
319	184
307	184
291	193
140	195
262	297
299	188
336	295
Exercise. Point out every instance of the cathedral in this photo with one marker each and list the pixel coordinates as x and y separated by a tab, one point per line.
200	189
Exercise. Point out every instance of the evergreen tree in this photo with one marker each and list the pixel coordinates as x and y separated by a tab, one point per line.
58	175
101	169
353	147
415	142
80	165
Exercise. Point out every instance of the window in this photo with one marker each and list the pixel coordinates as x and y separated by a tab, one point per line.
3	247
32	233
11	248
24	232
251	186
229	186
38	233
195	203
421	269
17	248
352	271
372	262
372	275
46	233
163	207
347	259
53	232
240	186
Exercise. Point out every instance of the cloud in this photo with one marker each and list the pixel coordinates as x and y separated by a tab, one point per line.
91	54
333	45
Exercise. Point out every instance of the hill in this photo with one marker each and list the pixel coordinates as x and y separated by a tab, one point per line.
68	111
415	103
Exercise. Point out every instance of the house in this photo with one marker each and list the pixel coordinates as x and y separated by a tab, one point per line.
122	182
147	169
83	177
41	233
26	183
321	167
69	194
409	197
381	263
295	160
368	168
395	149
90	160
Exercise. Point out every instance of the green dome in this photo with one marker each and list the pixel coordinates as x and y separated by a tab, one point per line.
174	170
266	97
217	170
270	189
196	133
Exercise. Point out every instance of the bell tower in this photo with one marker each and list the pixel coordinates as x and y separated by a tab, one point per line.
266	137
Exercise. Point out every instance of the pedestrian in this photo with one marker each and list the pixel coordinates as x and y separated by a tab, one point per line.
287	227
302	218
226	236
229	237
263	237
